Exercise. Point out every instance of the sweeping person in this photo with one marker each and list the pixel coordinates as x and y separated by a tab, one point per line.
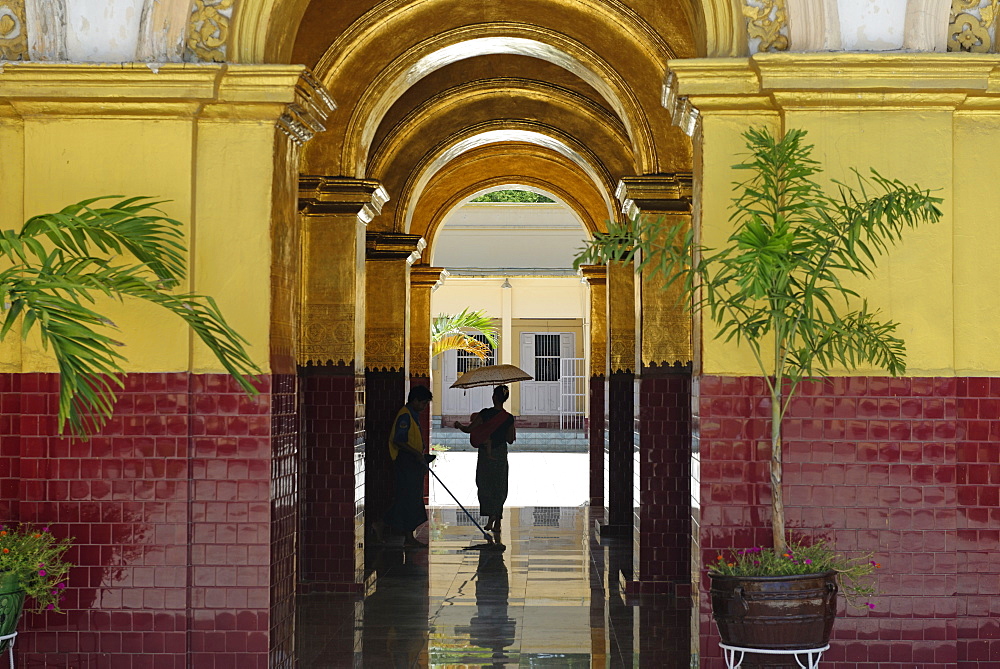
409	462
490	430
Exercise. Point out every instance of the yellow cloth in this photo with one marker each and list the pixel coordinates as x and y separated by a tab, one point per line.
405	424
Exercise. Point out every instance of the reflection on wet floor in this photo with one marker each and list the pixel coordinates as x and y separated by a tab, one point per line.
549	600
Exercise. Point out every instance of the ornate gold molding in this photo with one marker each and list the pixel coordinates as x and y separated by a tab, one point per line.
13	30
972	25
208	30
769	82
326	328
334	212
767	24
394	246
661	193
324	196
308	113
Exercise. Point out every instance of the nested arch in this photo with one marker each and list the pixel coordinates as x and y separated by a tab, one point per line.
539	137
497	164
443	209
265	31
475	41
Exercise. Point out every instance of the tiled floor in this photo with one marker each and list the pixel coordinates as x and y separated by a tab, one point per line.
544	602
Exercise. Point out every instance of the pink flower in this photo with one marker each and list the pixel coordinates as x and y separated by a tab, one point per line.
871	606
45	529
50	607
41	572
62	585
808	561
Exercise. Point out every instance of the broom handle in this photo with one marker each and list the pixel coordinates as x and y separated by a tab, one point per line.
459	503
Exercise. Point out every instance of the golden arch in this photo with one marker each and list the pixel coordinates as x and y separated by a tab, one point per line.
263	31
475	41
499	164
499	133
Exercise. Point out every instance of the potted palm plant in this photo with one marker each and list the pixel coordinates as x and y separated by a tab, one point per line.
779	287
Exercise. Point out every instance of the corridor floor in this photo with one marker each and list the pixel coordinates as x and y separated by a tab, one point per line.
550	600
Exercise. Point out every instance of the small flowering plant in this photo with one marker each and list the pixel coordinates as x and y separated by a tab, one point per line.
853	574
35	558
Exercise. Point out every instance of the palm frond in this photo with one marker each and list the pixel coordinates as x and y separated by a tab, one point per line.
461	342
444	325
47	288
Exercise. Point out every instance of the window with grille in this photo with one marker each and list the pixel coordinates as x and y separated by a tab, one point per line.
546	357
546	516
467	361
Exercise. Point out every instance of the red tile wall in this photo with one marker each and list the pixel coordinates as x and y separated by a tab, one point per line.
170	507
662	519
596	435
977	462
901	467
333	466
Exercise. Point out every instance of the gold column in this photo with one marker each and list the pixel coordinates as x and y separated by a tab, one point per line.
664	325
423	279
621	317
389	256
597	279
335	211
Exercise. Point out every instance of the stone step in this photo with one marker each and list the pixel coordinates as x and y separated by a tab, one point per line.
549	441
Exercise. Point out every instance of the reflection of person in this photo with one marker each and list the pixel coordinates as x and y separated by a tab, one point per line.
491	627
497	429
406	446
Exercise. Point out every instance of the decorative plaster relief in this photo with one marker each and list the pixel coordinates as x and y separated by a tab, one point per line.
13	31
972	26
208	30
767	25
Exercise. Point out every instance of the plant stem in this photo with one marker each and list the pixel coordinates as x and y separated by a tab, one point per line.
777	499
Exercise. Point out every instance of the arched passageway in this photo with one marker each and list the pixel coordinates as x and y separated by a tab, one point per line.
313	151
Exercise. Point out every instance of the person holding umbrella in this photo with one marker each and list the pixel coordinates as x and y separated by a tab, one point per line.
490	431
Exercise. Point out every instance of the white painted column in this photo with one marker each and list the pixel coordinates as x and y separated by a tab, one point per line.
506	329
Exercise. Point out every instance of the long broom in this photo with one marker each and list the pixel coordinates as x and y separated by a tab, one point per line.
490	544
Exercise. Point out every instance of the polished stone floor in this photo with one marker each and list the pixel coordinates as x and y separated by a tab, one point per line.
549	600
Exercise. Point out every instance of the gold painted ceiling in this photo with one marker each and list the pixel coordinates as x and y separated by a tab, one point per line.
439	99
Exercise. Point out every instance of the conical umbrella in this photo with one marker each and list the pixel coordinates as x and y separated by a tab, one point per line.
491	375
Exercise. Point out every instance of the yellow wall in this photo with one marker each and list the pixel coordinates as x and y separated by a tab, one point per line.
905	119
201	137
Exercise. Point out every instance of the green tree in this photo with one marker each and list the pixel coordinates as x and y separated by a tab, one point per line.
513	196
57	264
778	285
448	332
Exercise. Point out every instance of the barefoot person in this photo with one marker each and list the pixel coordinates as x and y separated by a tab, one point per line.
491	430
406	447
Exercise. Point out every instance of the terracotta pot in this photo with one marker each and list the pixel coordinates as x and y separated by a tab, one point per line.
774	612
11	605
